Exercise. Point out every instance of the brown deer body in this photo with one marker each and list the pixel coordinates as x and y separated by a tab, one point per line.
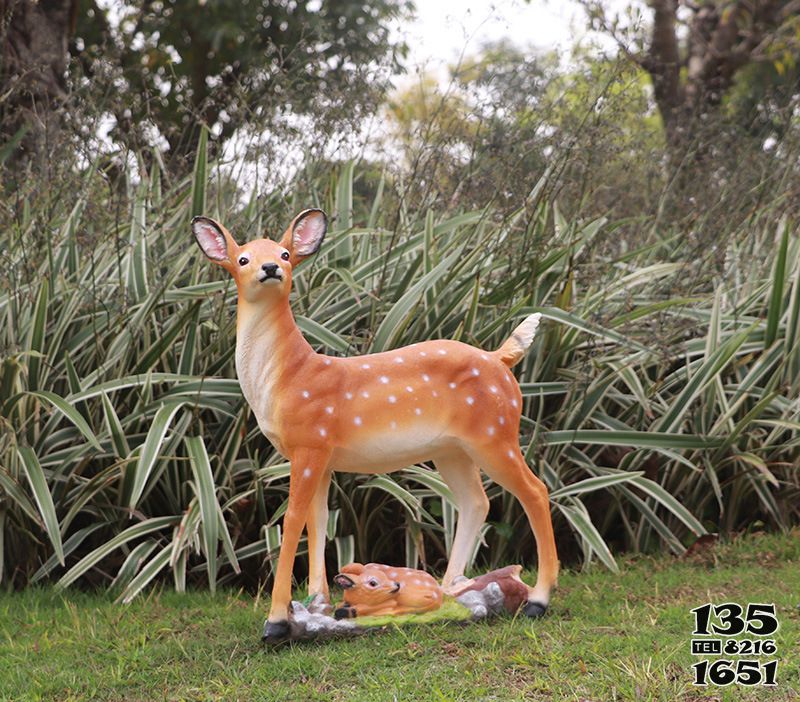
443	401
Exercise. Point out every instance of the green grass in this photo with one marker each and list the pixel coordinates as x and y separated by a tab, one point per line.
607	637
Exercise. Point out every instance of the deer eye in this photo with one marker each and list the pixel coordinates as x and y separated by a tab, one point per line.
243	260
285	255
372	583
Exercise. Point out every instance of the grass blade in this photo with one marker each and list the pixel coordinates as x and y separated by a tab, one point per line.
207	499
148	526
151	447
44	500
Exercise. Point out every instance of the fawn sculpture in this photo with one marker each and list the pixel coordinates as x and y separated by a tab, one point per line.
375	589
443	401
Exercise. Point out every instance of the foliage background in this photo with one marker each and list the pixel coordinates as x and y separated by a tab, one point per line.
661	398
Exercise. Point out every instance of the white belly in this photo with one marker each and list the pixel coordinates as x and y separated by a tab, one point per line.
391	451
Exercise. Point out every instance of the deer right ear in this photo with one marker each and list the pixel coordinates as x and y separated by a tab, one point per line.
215	241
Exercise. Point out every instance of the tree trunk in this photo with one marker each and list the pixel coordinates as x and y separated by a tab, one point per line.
689	86
33	72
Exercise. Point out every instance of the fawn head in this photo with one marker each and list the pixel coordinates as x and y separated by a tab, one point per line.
262	268
364	585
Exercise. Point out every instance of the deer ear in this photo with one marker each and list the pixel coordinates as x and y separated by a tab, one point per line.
344	581
353	569
215	241
305	234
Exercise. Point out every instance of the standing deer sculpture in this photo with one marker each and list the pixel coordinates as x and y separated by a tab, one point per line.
440	401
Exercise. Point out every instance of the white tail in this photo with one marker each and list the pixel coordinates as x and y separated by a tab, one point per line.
514	348
443	401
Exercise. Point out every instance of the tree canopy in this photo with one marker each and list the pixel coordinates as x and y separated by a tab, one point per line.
162	67
695	51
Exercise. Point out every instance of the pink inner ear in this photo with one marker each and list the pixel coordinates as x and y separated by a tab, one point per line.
308	233
211	240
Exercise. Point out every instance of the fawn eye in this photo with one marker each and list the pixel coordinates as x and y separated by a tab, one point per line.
373	583
243	260
285	255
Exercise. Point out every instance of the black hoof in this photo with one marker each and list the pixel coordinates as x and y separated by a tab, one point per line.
534	610
275	632
345	613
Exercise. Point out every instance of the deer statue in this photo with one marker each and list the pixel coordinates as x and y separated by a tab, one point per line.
440	401
377	590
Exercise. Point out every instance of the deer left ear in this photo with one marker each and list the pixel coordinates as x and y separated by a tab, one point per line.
305	234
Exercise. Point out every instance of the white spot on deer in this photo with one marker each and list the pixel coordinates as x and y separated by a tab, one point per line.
307	473
326	361
393	425
348	396
490	431
329	410
501	420
393	574
423	354
417	581
417	411
323	432
484	357
510	453
475	372
365	394
470	400
409	388
514	403
384	379
392	399
426	377
493	388
452	386
365	366
442	352
357	421
435	394
399	359
306	394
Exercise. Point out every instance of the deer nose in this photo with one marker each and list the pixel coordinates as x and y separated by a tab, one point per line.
269	268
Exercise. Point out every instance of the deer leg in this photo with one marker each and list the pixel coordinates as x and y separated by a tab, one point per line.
463	478
317	527
505	465
308	467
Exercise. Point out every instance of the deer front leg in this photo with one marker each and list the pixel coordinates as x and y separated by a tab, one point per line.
317	528
308	468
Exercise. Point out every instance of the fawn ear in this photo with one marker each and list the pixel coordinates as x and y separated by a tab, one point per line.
353	569
305	234
215	241
344	582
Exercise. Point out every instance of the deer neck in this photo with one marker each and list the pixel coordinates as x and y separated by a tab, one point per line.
269	349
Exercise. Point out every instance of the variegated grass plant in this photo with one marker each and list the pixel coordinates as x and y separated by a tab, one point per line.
127	452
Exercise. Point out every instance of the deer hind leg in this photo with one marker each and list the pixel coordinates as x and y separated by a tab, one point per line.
463	478
317	527
308	468
505	465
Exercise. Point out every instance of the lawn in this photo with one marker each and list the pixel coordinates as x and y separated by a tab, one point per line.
606	637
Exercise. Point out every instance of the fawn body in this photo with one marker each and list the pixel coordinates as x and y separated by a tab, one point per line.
443	401
376	589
